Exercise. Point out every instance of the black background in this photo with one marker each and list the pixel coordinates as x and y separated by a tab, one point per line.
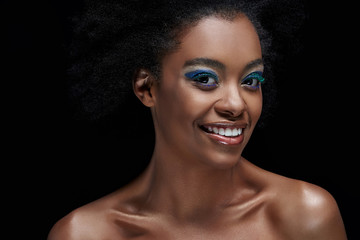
54	163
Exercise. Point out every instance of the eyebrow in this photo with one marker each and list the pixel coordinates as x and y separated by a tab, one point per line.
219	65
205	62
253	64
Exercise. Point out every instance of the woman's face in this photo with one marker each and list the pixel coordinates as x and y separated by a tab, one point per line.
209	97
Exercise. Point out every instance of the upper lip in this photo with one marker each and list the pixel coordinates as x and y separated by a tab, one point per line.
225	124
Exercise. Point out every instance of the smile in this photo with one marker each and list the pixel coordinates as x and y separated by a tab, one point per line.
224	133
228	132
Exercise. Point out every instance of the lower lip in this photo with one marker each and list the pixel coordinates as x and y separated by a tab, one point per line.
226	140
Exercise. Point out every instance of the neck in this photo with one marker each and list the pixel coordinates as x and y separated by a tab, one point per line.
190	190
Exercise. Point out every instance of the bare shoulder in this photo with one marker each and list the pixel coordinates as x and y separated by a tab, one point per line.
66	228
300	210
104	218
308	211
79	224
91	221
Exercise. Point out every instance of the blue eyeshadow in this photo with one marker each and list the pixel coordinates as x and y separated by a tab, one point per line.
196	73
257	75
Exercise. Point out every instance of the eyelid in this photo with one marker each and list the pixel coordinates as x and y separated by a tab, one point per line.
195	73
257	75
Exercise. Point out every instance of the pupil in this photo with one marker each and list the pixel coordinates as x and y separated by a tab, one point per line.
203	79
249	81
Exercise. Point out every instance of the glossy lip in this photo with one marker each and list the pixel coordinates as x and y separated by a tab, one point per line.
224	140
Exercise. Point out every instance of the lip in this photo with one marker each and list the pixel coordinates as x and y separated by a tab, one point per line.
224	140
225	125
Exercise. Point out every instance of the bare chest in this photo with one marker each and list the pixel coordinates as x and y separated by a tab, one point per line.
260	227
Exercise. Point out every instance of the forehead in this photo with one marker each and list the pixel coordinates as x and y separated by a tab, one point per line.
232	42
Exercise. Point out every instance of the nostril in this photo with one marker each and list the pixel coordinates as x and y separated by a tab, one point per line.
230	115
232	105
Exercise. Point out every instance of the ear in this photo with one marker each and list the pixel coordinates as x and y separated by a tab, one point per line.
143	86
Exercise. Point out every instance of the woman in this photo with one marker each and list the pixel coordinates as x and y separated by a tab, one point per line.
199	67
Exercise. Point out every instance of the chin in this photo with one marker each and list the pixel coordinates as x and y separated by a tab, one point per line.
223	160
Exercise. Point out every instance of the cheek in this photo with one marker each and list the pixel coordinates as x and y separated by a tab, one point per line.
254	104
182	104
177	111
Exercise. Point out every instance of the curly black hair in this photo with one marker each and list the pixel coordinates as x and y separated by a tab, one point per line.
115	38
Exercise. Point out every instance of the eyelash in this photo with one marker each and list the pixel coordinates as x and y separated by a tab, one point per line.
199	75
257	76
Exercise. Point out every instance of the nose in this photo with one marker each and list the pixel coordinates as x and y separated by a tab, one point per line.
231	104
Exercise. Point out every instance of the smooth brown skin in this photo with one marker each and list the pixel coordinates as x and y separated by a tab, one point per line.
197	188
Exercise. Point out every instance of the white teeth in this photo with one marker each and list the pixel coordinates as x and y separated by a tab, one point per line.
221	131
235	132
228	132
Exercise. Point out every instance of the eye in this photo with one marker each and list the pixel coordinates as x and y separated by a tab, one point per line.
253	80
205	79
